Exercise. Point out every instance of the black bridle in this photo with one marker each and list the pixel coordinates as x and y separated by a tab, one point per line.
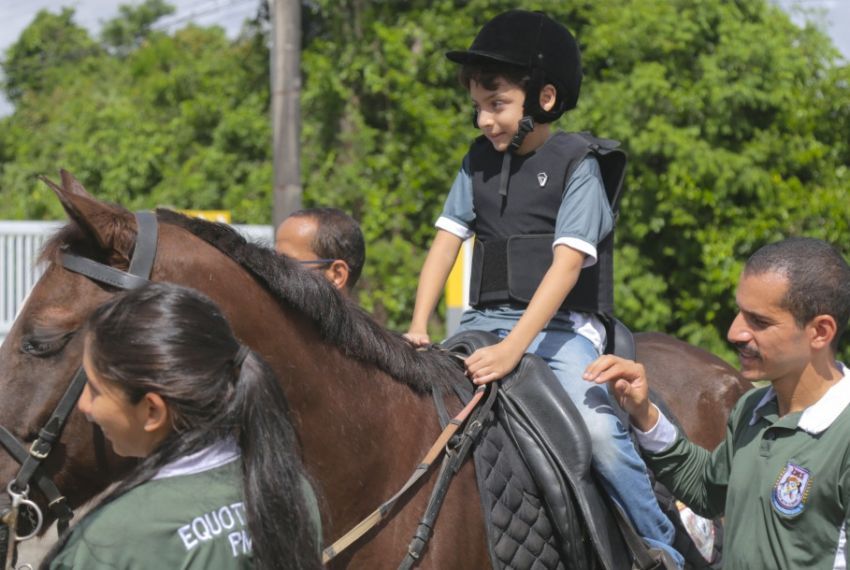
32	458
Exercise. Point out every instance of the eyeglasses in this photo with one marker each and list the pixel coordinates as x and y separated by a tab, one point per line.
316	263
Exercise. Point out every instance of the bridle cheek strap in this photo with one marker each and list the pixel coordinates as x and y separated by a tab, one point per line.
139	273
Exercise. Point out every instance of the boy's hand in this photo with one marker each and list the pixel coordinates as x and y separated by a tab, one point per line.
417	338
628	380
492	362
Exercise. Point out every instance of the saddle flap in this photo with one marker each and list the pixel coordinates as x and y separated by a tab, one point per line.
555	445
621	341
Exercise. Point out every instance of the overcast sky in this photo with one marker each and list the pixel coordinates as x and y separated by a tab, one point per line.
16	14
832	15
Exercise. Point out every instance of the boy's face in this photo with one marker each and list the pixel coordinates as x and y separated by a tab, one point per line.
499	111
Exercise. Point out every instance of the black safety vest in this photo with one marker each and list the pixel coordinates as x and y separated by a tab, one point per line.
514	231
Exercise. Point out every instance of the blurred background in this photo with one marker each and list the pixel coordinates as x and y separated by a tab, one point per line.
735	115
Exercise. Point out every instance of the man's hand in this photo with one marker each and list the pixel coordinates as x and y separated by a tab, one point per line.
417	338
492	362
628	381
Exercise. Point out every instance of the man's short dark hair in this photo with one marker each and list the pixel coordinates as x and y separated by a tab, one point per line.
338	236
818	279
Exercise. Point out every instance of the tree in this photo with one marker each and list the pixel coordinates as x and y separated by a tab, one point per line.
735	121
728	145
733	142
133	25
49	44
180	120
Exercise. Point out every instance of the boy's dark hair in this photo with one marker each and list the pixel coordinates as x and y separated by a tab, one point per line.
338	236
818	279
488	73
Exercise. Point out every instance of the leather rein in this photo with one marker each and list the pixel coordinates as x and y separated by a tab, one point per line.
32	458
455	449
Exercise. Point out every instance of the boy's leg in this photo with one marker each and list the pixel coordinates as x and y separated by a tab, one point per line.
615	459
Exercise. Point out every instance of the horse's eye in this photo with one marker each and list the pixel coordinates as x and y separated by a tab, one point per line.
45	345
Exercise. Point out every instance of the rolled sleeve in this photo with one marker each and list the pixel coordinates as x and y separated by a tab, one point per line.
453	227
584	217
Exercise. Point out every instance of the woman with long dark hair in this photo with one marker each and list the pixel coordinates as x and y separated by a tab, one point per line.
219	484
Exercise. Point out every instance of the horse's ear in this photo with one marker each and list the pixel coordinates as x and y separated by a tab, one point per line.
112	227
72	185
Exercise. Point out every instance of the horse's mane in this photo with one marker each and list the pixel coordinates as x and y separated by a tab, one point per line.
338	320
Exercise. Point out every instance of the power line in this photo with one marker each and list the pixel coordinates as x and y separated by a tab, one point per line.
217	6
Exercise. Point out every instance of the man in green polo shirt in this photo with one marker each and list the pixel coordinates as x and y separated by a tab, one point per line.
782	475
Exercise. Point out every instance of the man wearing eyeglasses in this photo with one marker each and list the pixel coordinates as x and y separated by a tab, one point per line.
327	240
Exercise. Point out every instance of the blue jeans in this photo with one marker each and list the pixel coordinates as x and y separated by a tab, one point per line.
615	460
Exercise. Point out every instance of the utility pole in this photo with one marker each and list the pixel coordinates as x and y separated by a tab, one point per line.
286	106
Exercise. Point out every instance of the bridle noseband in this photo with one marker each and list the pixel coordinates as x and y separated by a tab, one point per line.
31	459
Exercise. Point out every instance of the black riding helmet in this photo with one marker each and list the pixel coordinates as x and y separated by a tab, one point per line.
531	40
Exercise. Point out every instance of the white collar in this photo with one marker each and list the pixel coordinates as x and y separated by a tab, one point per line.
220	453
820	415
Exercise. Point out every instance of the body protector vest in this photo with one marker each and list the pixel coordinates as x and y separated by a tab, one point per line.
515	229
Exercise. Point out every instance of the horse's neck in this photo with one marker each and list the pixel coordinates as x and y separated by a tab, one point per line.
353	420
346	412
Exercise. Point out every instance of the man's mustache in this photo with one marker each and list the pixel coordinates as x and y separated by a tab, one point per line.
744	349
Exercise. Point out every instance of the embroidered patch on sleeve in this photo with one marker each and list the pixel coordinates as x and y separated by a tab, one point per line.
791	490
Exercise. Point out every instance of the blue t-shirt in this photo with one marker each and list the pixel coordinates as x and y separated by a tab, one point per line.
584	219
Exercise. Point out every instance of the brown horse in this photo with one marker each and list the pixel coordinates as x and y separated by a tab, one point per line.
697	386
359	394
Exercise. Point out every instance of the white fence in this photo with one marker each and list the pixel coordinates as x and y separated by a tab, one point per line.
20	244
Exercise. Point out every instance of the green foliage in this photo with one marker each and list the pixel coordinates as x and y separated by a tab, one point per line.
724	115
734	118
180	121
50	47
133	25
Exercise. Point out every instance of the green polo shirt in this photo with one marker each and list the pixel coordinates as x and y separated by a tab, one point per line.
196	521
782	483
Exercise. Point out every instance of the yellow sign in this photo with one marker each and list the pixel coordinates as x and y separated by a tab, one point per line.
454	284
222	216
457	285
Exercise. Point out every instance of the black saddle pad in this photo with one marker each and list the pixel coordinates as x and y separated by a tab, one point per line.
519	530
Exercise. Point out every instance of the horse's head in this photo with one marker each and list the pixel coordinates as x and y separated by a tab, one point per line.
337	366
43	350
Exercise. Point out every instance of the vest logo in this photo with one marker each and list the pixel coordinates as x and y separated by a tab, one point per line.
791	490
542	178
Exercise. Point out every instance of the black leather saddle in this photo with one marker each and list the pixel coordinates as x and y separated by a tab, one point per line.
543	507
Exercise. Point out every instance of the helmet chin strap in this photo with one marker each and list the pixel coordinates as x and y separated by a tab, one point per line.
526	125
